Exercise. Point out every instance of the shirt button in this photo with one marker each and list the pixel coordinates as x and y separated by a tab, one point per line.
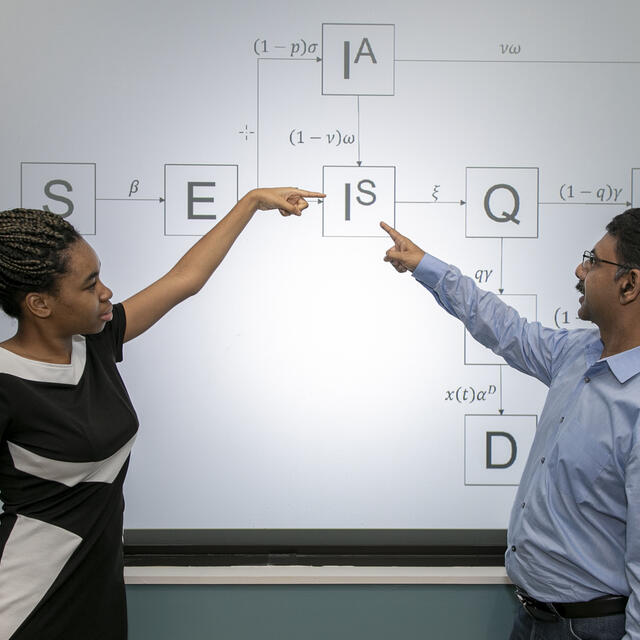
523	504
542	460
587	379
562	419
513	548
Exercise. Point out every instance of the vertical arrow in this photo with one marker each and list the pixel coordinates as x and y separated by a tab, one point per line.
500	289
501	410
358	103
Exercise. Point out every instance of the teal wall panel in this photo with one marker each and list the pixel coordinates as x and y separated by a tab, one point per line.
318	612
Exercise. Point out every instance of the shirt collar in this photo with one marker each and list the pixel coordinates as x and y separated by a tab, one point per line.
625	365
27	369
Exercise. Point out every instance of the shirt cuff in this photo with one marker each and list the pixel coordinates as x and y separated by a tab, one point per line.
430	271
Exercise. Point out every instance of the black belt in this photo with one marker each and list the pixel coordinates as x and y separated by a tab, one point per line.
551	611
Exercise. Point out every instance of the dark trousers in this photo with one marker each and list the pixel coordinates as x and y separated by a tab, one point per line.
604	628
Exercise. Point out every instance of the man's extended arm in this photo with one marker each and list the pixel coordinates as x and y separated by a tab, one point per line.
526	346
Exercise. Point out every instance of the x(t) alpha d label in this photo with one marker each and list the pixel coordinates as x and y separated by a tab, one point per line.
358	59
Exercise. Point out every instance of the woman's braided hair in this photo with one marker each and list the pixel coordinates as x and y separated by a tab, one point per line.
33	255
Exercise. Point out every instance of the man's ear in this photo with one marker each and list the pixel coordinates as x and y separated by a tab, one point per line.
629	284
37	304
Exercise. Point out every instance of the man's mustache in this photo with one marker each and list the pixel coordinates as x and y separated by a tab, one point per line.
580	286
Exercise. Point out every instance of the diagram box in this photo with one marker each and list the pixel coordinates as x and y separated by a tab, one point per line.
502	202
358	59
635	187
475	353
65	188
496	448
197	196
358	198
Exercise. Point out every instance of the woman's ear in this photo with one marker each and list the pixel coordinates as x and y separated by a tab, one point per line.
37	304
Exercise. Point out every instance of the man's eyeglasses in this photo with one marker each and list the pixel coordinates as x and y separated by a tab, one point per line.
589	259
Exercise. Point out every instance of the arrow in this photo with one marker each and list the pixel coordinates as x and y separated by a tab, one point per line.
291	59
500	289
602	204
134	199
358	103
458	202
501	410
522	61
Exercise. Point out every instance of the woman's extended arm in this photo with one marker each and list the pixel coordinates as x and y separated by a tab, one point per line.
196	266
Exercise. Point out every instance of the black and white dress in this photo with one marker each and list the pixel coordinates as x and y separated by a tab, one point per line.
66	432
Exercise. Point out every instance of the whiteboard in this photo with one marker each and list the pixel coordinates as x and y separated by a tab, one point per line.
309	385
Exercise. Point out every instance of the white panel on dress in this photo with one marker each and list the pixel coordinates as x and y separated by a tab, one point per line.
27	369
34	556
70	473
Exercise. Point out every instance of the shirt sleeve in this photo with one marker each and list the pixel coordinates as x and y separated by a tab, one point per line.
113	332
526	346
632	547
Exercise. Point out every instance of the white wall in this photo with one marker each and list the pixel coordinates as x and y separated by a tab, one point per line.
306	385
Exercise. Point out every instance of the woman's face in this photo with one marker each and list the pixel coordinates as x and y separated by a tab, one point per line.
81	303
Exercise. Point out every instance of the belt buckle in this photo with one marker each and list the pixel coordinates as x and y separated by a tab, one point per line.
531	607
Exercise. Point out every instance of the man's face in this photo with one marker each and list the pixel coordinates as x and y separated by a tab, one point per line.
599	300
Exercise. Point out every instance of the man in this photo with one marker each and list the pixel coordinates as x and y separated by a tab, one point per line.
574	532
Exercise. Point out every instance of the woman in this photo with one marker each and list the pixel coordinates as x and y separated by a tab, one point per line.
66	422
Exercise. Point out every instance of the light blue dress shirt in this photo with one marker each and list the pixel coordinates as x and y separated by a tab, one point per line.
574	530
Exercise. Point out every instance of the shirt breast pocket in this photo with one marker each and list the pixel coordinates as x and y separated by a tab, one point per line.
577	462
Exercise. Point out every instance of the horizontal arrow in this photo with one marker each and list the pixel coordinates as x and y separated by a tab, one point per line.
134	199
291	59
611	204
523	61
459	202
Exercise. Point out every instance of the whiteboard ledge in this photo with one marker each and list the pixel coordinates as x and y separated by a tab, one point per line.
315	575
